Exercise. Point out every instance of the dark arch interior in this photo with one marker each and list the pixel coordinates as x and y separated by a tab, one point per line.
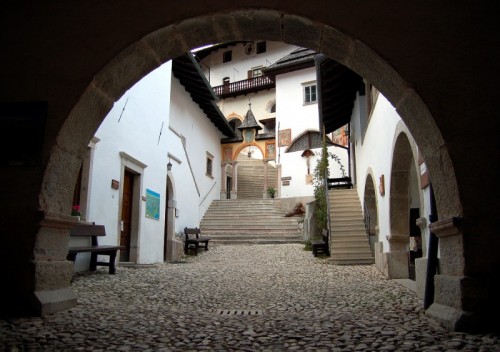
80	71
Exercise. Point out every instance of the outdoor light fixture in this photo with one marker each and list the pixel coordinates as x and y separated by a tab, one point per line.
169	165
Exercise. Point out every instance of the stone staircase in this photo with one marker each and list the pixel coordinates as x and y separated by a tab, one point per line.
249	221
251	178
349	244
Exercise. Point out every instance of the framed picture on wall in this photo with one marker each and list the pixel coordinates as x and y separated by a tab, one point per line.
285	138
227	152
152	205
270	150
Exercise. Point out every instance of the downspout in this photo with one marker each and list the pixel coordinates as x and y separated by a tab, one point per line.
432	259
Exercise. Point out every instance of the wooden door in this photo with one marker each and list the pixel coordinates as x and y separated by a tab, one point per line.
229	184
128	191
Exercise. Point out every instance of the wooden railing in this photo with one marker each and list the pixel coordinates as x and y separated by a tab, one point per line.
243	87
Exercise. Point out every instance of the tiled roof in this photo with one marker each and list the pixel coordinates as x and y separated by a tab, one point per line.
297	56
187	71
249	121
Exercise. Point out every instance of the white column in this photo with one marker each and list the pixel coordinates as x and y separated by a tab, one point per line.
264	194
234	186
223	190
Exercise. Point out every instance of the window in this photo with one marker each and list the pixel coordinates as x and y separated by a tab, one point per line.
210	158
310	95
227	56
273	108
257	71
261	47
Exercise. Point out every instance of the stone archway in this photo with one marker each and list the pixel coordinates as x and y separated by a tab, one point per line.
399	198
370	206
168	235
168	42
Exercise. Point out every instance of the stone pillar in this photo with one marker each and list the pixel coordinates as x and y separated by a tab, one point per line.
397	257
223	190
53	273
170	228
421	263
234	175
458	299
264	194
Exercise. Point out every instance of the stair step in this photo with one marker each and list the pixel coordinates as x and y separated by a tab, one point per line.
349	243
355	261
243	221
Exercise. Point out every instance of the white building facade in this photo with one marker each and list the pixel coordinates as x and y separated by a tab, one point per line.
152	169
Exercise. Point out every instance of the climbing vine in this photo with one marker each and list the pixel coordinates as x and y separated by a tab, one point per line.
320	207
337	159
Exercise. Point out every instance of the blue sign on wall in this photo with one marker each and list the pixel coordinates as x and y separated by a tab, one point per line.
152	204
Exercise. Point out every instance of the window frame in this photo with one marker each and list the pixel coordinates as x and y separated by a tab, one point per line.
258	70
307	94
261	47
227	56
209	166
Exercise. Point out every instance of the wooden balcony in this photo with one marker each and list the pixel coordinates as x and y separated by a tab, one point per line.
244	87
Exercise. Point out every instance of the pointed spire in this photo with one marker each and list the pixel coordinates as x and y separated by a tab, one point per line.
249	122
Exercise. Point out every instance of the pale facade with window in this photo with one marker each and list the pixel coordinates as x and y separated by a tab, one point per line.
154	123
297	111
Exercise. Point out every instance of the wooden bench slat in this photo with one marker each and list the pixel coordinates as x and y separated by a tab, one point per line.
92	231
321	246
88	230
194	243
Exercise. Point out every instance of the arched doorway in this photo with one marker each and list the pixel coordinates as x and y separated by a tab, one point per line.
167	42
371	211
168	234
400	205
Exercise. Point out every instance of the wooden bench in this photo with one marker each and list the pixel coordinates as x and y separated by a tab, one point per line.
338	183
321	246
93	231
194	242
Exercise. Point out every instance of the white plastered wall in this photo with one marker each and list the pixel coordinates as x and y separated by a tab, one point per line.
375	152
141	127
133	128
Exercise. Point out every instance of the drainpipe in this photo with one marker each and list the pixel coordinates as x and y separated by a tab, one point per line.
431	256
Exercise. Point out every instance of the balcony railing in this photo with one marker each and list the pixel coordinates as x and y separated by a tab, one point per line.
243	87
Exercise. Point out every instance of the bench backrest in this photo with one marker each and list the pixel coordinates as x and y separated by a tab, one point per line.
88	231
192	231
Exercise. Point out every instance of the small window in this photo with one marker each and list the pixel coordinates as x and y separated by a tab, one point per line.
261	47
273	108
257	71
310	95
225	80
210	158
227	56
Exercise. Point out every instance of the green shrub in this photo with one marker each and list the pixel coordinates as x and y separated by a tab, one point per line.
320	207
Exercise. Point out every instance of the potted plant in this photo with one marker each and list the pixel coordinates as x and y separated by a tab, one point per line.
75	211
271	191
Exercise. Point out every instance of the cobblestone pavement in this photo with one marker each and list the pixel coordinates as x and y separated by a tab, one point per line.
240	298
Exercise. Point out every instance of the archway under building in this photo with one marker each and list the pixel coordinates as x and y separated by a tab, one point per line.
156	45
400	195
371	211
